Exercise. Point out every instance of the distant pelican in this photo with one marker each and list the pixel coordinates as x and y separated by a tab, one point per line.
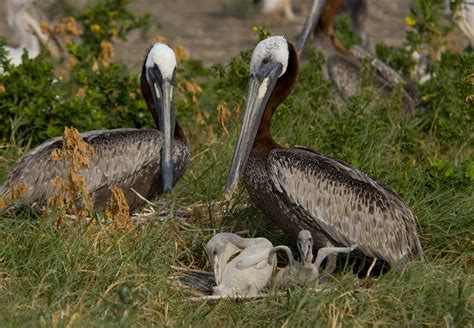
464	18
299	188
23	18
344	67
149	161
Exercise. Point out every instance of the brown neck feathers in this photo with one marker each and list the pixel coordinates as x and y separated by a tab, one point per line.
325	24
283	87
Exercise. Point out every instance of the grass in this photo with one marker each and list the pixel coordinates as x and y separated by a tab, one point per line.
97	276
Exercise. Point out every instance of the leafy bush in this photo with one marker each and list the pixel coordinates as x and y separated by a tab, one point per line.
239	8
106	20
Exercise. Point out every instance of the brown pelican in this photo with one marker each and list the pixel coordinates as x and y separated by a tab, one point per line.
344	67
23	18
242	266
302	189
148	161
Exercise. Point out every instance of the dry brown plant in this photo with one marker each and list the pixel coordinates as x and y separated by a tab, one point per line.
193	89
181	53
66	30
157	39
107	53
118	210
223	115
12	195
72	196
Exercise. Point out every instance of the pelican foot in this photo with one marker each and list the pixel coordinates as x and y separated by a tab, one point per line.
371	267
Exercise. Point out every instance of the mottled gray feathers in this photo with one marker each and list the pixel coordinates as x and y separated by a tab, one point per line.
128	158
350	206
346	73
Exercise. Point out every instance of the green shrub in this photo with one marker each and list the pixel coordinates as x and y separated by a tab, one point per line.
239	8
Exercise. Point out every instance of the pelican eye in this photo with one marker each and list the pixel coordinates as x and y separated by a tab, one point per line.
265	61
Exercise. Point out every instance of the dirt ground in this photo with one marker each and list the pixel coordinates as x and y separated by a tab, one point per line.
210	35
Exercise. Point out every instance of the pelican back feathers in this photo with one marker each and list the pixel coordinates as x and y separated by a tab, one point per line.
350	206
127	158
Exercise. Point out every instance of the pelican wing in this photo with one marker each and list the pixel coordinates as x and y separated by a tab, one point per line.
387	73
253	257
346	74
118	156
350	206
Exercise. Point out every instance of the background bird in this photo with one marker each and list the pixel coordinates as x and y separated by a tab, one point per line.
30	27
344	66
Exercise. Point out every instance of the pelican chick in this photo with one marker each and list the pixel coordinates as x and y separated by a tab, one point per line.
249	272
305	247
246	274
298	273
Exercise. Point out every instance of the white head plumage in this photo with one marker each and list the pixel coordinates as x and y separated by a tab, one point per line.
274	48
162	56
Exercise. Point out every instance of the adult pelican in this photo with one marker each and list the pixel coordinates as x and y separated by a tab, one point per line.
148	161
299	188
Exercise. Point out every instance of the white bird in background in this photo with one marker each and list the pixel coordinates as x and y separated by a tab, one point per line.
464	17
273	6
24	18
